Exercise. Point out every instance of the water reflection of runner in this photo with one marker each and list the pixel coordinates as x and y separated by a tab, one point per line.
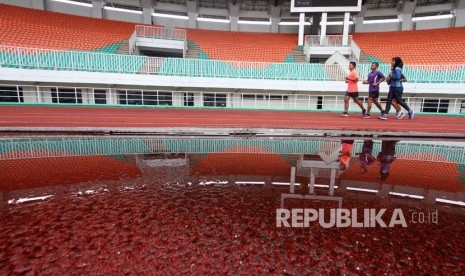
366	158
386	156
345	155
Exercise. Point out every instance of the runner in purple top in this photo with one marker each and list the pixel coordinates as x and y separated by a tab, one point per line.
374	79
366	158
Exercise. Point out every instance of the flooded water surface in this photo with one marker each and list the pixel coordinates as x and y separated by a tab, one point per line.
231	207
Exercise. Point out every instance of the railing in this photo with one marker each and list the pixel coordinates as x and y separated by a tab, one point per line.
160	32
30	94
21	148
33	58
326	41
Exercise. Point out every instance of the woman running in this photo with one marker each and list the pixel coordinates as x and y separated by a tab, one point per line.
396	89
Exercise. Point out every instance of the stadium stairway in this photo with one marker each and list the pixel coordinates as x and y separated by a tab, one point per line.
123	49
193	50
299	56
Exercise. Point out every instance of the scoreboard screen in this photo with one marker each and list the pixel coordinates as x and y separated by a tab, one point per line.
326	5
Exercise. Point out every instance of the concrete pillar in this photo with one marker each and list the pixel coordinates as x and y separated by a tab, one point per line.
459	13
315	27
192	14
408	7
268	182
358	19
311	184
234	17
275	14
384	190
301	28
332	182
97	9
292	181
38	4
324	18
147	10
345	30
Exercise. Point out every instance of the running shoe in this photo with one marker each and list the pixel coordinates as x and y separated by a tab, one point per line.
366	116
344	114
400	116
411	114
383	117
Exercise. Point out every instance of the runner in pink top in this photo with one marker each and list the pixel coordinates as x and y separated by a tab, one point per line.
352	90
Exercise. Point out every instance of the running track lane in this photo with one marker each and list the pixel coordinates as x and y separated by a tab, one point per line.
40	116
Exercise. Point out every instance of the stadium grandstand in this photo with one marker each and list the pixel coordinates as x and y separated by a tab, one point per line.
163	136
233	54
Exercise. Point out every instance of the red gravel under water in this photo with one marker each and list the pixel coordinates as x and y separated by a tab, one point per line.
158	223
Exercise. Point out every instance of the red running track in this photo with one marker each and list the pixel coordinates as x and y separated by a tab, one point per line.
40	116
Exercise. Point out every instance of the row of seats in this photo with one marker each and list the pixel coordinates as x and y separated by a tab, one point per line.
25	27
435	46
412	173
243	164
240	46
42	172
50	30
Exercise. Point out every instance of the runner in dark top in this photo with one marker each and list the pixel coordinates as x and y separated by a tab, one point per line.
386	156
396	89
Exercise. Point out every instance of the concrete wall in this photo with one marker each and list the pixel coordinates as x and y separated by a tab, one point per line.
21	3
123	16
169	22
382	27
434	24
213	26
69	9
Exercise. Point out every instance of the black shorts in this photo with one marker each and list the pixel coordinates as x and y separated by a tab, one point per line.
353	95
373	95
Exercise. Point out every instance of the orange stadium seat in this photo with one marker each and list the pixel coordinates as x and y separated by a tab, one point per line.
240	46
435	46
43	29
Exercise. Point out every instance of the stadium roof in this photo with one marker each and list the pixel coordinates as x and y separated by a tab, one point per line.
263	5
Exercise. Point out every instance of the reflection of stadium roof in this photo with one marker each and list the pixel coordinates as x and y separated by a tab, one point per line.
412	173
